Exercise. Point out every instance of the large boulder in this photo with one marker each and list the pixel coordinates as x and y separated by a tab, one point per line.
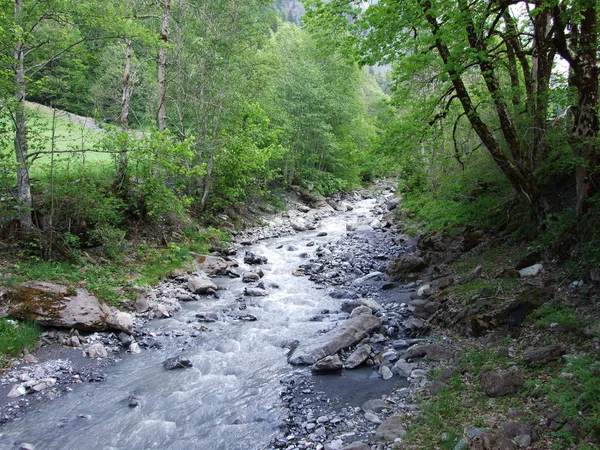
543	355
498	384
201	284
347	334
390	430
54	305
212	265
404	265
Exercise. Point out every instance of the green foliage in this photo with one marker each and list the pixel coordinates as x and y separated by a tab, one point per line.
560	314
576	393
15	336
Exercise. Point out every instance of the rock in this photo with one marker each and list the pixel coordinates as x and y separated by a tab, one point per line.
298	224
357	445
351	226
302	208
328	364
358	356
437	386
530	271
375	406
133	401
26	446
134	348
385	372
208	317
373	418
160	310
255	292
492	440
177	362
121	320
498	384
523	440
513	429
393	203
404	368
201	284
211	265
17	390
252	258
391	429
361	310
543	355
250	277
49	305
322	205
373	276
527	301
321	234
415	327
97	350
425	309
433	352
42	384
141	304
376	224
340	294
405	265
445	282
345	335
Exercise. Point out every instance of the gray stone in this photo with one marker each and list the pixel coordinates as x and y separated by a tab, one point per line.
358	356
391	429
404	368
201	284
328	364
531	271
255	292
17	390
211	265
361	310
375	406
373	276
543	355
120	320
250	277
523	440
415	327
357	445
405	265
498	384
141	304
343	336
177	362
385	372
393	203
372	417
298	224
97	350
492	440
27	446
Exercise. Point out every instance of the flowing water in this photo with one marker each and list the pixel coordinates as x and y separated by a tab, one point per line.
229	399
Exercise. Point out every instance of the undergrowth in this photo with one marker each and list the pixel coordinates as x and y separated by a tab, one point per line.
15	336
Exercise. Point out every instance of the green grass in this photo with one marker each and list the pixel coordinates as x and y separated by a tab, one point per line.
563	315
15	336
113	280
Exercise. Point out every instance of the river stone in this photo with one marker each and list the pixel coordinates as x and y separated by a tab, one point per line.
121	320
543	355
415	327
328	364
404	368
361	310
498	384
358	356
385	372
373	276
340	294
255	292
298	224
177	362
201	284
391	429
393	203
141	304
252	258
351	226
17	390
27	446
357	446
343	336
211	265
250	277
375	406
95	351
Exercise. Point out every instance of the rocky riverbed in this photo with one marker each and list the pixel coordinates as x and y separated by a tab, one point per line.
358	343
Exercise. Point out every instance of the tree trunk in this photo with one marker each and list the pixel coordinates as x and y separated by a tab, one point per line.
581	54
20	118
162	68
123	118
517	174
